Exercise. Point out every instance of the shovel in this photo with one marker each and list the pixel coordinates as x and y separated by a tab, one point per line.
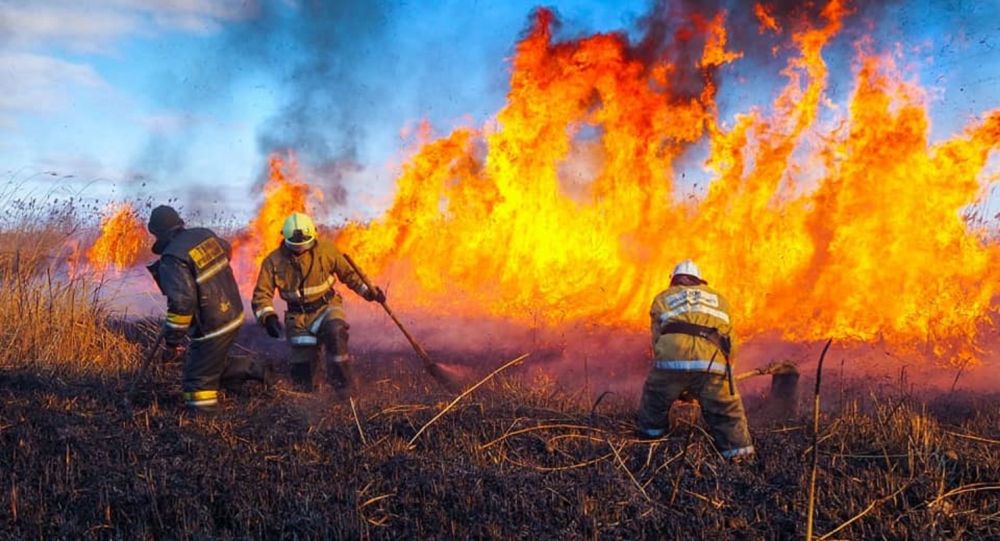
437	371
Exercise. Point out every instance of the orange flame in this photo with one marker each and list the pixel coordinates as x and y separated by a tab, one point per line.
284	194
566	209
766	20
121	240
715	53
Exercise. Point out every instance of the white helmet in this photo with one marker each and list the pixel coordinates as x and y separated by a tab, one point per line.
299	232
688	268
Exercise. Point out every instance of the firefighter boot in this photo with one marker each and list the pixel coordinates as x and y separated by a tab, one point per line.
302	376
262	372
339	374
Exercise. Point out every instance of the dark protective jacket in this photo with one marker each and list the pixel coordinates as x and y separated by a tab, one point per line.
305	281
203	299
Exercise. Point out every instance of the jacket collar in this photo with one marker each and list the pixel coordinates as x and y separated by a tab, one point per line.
164	240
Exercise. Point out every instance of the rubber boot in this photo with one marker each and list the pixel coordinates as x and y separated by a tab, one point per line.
262	372
340	375
302	377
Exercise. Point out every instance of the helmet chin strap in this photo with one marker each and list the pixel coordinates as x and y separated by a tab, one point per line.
300	248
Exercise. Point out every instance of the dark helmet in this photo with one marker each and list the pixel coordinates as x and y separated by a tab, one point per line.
163	220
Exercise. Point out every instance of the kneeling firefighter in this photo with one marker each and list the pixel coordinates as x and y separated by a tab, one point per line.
304	270
203	302
692	346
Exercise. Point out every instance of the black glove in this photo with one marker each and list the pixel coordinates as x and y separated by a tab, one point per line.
173	353
376	295
273	326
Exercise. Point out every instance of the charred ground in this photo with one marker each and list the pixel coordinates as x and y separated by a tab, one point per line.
522	457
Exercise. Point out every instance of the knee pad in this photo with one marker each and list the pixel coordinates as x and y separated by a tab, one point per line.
336	336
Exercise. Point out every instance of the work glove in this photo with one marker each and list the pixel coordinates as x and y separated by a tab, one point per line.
272	326
375	294
173	353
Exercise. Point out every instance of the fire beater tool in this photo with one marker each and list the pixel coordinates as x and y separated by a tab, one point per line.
782	399
784	385
143	368
434	369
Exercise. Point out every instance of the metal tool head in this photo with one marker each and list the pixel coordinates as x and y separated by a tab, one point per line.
783	395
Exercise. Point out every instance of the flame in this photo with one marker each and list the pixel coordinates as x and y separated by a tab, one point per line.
122	238
715	53
284	194
765	19
567	208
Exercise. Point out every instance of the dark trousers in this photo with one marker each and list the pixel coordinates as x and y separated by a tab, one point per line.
208	366
332	336
723	412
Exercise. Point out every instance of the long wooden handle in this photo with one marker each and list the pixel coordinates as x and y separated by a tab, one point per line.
143	368
413	342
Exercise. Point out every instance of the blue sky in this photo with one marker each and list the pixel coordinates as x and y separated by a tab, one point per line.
183	98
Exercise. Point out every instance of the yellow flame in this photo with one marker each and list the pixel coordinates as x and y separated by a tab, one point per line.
493	221
121	239
284	193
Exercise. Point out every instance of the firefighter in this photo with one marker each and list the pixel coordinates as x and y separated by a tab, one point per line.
203	303
691	327
304	270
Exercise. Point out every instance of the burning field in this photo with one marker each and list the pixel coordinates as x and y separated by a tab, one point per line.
826	213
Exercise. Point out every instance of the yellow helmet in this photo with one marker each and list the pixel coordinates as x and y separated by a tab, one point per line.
299	232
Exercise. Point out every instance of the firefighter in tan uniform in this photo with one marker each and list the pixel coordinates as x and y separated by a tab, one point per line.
304	270
691	327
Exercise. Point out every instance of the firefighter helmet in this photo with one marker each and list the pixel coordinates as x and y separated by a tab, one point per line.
687	267
299	232
163	220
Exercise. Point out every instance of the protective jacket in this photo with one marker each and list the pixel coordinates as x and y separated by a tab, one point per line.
203	299
686	307
305	281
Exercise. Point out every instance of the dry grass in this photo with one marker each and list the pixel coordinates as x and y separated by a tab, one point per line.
51	320
512	460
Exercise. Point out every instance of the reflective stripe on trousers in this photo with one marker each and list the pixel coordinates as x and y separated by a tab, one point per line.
303	340
742	451
714	367
310	339
200	399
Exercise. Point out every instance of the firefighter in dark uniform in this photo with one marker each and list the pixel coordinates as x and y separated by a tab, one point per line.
304	270
203	303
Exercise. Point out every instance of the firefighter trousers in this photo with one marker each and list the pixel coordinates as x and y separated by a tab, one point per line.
207	366
723	412
331	337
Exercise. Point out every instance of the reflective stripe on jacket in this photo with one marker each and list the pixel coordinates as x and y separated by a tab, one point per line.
700	305
203	299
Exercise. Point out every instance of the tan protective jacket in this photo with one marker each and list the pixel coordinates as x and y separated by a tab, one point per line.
304	280
699	305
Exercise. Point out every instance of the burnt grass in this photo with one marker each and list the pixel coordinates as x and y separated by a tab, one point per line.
522	457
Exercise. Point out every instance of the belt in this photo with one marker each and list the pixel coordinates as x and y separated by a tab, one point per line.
708	333
711	334
307	307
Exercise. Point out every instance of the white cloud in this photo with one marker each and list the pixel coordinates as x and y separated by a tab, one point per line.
94	27
170	122
37	84
34	81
